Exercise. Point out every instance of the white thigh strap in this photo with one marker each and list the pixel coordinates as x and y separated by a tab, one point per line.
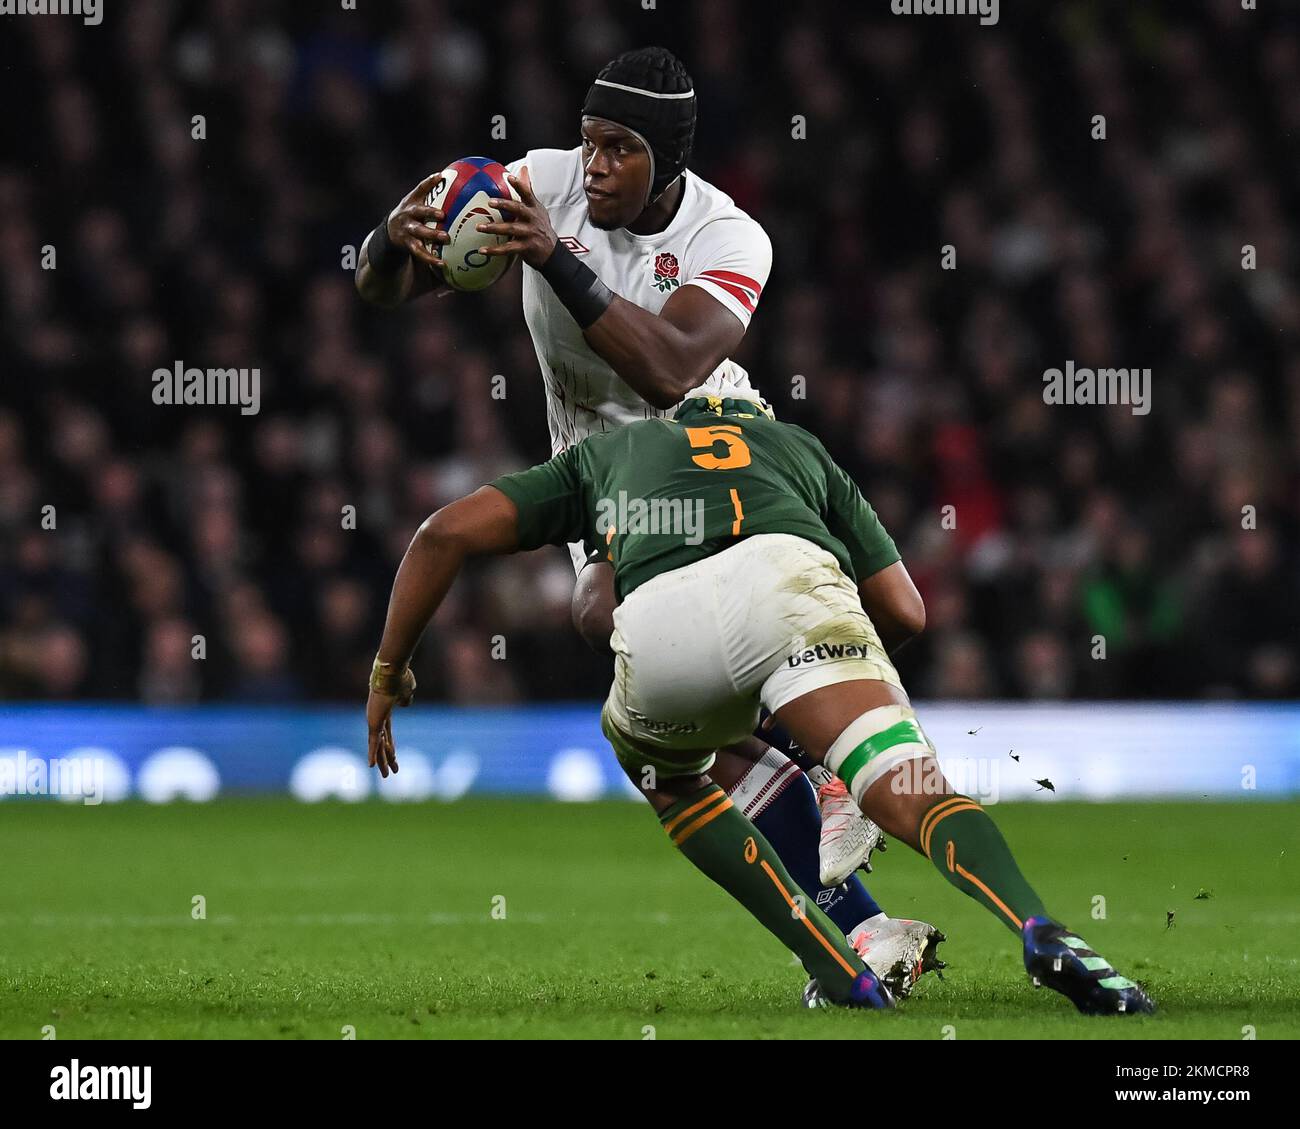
873	744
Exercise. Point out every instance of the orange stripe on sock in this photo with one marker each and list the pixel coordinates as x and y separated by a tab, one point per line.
934	811
711	798
966	804
950	854
803	916
966	874
707	817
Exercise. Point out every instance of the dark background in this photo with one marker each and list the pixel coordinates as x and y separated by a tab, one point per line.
926	384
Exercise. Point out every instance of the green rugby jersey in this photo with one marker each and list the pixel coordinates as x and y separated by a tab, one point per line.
662	493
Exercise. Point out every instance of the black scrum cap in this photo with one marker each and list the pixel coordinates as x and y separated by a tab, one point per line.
648	93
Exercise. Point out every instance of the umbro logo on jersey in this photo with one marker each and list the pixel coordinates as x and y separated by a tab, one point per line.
574	245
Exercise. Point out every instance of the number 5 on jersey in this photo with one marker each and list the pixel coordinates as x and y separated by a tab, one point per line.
737	456
737	453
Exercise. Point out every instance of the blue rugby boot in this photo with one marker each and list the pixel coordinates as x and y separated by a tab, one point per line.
1063	961
868	991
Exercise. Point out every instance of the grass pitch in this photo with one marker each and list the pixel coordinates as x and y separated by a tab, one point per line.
380	918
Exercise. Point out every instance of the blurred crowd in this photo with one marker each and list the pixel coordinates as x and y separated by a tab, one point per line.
174	554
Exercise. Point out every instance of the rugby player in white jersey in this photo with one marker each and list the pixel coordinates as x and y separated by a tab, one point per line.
640	280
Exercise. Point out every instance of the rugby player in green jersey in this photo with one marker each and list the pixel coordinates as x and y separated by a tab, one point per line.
739	548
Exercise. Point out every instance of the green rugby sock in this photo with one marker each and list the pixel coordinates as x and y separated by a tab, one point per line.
712	833
967	848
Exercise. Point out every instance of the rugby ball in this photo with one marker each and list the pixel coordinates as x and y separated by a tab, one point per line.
463	193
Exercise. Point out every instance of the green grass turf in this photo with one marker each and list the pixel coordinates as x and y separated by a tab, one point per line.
378	916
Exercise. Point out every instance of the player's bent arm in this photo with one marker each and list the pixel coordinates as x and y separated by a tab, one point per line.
894	605
389	291
395	263
485	522
660	356
663	356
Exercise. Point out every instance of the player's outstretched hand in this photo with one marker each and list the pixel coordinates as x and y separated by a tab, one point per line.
409	223
532	237
379	723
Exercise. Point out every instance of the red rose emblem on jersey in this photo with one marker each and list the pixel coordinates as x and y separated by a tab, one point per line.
666	270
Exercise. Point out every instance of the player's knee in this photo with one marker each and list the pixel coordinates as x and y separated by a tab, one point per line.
593	606
898	800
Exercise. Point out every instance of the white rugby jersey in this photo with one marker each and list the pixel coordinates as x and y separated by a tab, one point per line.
710	243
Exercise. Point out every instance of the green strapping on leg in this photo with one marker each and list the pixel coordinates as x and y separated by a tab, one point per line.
905	732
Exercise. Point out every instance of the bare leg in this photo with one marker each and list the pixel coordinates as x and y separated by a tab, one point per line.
816	721
868	735
857	726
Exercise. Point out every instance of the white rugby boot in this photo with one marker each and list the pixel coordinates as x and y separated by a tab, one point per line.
848	837
900	951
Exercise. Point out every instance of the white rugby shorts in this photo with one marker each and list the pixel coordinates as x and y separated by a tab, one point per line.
699	649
